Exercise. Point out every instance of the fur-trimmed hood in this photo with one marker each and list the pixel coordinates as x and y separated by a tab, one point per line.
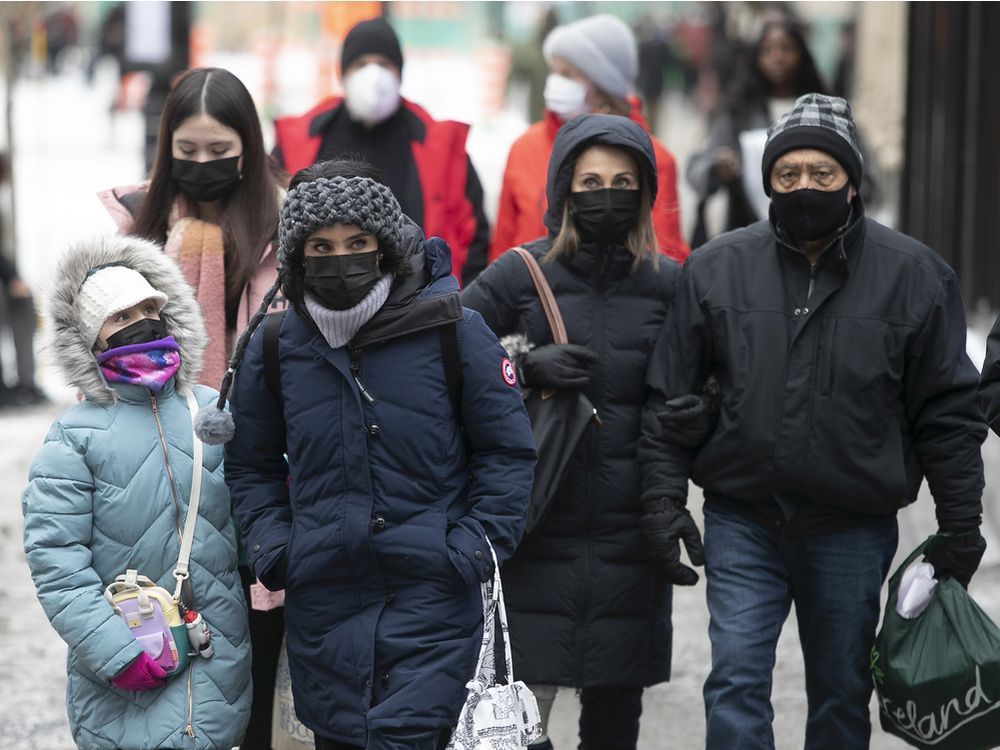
68	346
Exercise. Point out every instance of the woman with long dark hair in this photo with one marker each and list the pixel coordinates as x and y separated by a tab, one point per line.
780	69
588	590
213	198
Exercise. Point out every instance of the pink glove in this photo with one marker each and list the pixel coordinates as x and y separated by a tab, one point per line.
142	674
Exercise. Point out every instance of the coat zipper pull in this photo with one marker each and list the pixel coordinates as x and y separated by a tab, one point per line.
355	356
598	422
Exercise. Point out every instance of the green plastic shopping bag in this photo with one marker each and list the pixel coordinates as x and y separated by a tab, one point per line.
937	676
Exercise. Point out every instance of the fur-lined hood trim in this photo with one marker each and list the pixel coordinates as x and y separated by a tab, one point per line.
66	342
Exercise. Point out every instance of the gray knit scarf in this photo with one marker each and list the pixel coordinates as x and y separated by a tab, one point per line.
340	326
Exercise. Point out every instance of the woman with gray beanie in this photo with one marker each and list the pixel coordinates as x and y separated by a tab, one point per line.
378	449
593	64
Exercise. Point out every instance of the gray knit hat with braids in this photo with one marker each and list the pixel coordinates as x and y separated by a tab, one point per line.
320	203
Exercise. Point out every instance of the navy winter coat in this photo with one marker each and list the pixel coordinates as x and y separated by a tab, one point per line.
586	609
379	538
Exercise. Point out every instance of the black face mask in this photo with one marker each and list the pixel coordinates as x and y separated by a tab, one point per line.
141	332
206	181
340	282
606	215
811	214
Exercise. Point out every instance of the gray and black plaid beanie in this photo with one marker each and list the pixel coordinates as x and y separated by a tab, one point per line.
816	121
320	203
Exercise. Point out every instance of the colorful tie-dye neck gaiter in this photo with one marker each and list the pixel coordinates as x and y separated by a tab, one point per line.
151	364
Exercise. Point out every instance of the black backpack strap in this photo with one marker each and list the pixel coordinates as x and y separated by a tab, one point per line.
448	334
272	374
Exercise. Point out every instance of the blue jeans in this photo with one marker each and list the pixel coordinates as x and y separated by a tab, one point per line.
753	577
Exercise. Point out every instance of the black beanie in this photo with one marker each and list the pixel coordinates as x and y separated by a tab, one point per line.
374	37
824	123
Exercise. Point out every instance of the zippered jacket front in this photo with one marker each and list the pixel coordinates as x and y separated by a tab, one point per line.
843	383
371	494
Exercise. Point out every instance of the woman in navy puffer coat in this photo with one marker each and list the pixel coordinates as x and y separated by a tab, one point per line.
382	535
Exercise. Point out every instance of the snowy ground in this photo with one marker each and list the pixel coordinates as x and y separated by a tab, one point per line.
68	148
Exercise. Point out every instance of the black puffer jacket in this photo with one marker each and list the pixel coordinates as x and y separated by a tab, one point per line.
841	400
585	608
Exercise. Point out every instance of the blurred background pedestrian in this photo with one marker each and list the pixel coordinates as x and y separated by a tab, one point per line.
593	65
780	69
421	159
18	320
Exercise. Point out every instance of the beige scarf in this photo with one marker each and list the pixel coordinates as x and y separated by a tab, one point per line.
197	247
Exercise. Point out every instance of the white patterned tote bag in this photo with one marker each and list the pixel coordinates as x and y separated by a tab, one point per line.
496	717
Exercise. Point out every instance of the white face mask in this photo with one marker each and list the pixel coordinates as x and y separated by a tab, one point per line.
566	97
371	94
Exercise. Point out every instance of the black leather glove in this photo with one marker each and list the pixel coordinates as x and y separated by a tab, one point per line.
687	421
663	525
957	556
559	366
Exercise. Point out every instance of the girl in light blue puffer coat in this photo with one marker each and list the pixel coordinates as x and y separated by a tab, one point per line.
108	492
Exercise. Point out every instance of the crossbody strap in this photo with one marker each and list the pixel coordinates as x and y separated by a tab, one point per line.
549	306
187	538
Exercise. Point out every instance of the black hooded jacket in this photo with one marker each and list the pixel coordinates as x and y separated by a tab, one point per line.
835	403
585	608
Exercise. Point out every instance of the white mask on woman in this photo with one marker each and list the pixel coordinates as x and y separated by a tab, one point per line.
371	94
565	97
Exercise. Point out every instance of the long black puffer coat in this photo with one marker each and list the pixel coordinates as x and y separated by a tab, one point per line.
585	609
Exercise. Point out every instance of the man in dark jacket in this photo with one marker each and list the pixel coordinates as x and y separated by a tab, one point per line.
421	159
839	349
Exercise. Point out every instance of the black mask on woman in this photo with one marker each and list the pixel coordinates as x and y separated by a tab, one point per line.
141	332
206	181
808	214
340	282
606	215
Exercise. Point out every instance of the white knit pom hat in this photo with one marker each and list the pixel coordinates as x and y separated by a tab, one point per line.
110	290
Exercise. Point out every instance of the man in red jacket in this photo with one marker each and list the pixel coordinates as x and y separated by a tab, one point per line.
422	160
593	64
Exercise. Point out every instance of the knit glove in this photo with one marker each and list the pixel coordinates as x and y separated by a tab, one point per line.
559	366
663	525
957	556
142	674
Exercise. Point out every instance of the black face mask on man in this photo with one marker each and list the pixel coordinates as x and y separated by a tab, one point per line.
141	332
809	214
206	181
605	215
340	282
